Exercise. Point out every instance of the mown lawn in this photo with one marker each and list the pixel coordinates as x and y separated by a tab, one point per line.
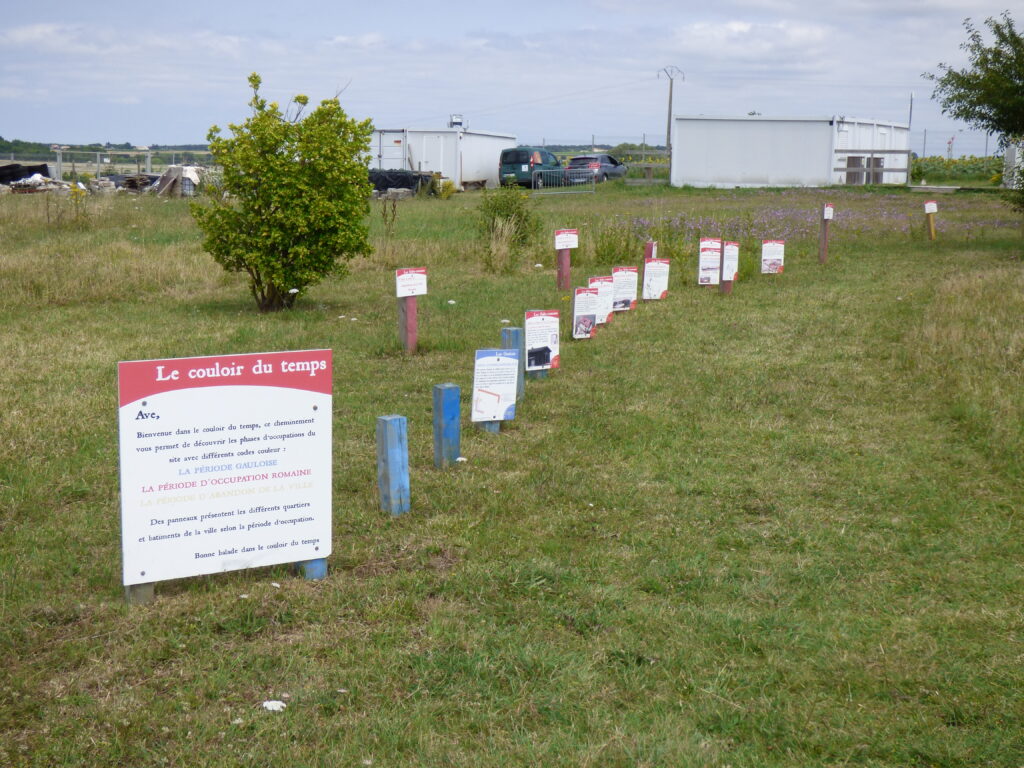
781	527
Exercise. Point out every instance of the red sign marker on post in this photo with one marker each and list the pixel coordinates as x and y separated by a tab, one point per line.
565	240
409	283
827	214
655	285
773	254
709	267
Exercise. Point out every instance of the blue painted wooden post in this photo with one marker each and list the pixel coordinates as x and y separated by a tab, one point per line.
393	464
537	374
515	338
447	424
490	426
312	570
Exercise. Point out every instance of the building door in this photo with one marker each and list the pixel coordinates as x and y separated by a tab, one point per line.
854	161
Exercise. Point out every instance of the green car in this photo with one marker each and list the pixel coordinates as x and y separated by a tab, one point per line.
517	166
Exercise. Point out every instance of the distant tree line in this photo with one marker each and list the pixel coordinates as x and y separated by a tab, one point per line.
19	147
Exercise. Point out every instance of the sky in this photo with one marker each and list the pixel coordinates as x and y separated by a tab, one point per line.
555	72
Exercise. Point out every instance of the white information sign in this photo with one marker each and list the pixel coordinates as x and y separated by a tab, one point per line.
931	207
773	254
709	261
731	262
605	285
567	238
828	213
584	313
410	282
225	463
541	331
495	382
655	279
625	281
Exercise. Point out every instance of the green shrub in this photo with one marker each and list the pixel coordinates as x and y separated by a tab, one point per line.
447	189
292	200
616	241
512	205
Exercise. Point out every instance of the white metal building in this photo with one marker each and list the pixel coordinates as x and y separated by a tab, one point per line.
761	151
468	158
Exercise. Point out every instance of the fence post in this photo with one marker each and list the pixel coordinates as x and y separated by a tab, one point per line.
393	464
447	424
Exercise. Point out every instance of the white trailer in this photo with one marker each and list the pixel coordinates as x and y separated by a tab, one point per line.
758	151
468	158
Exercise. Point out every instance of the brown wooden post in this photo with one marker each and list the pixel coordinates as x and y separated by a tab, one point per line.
563	277
930	209
407	323
826	219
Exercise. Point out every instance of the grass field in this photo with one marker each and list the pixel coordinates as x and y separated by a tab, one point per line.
779	528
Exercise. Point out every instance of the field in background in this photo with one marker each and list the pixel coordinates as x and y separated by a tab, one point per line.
776	528
960	171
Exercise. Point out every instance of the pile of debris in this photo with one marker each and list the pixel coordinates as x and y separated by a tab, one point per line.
176	181
37	182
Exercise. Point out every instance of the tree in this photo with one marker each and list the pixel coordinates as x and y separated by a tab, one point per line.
989	93
291	206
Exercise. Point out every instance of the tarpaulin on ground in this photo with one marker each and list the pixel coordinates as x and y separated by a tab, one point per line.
17	172
383	180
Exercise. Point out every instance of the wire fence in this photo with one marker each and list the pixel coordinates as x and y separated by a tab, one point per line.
74	164
644	153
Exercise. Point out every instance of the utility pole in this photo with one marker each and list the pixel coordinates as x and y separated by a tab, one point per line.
671	72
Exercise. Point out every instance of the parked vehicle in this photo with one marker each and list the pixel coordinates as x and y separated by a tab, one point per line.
603	167
517	165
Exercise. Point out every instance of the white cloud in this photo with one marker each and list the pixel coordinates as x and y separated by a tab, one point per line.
588	66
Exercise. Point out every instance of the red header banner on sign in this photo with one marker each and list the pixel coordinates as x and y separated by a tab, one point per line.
308	370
